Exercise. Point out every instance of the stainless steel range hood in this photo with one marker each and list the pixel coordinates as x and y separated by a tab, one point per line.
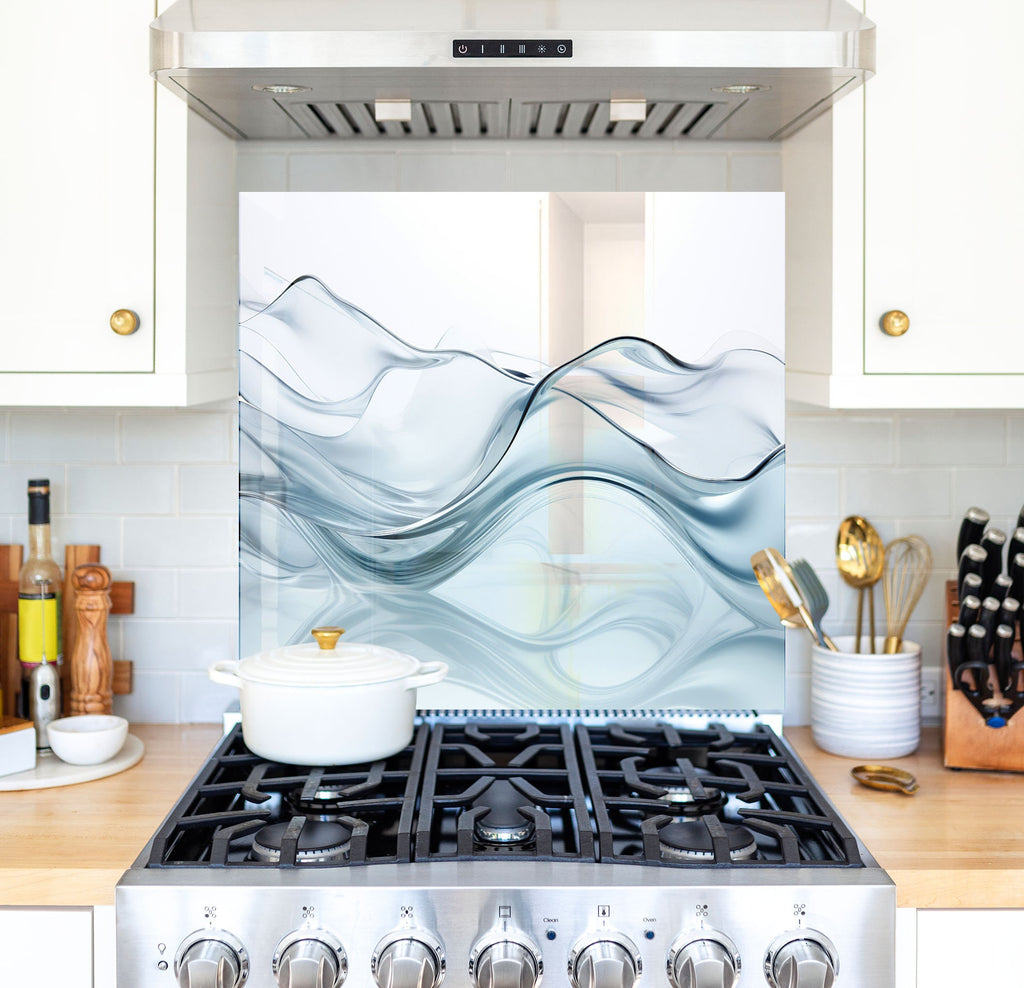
495	69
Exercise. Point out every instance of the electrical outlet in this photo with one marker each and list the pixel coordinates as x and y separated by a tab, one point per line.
931	694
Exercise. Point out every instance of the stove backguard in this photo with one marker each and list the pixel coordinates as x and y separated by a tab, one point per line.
537	436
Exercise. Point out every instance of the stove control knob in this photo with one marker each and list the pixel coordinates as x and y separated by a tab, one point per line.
310	959
409	959
211	959
707	960
801	959
505	961
608	960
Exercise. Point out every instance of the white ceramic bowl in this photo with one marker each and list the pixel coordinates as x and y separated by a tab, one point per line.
88	739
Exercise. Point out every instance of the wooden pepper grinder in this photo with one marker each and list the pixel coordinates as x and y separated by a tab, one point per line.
92	669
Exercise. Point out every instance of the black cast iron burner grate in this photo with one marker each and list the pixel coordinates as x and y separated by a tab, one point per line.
504	789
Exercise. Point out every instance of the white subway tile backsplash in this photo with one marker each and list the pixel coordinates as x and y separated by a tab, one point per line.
118	489
211	593
812	492
156	591
209	490
941	440
674	172
444	172
101	530
569	171
896	492
817	440
1015	438
203	701
178	645
75	437
811	540
180	541
14	478
5	421
999	490
155	698
174	437
342	172
755	172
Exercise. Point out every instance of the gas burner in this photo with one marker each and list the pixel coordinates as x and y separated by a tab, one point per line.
327	803
502	824
682	801
691	841
319	843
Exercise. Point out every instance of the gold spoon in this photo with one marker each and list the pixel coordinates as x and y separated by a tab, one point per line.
776	580
860	558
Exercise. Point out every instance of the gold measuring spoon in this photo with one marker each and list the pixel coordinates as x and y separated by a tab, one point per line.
860	559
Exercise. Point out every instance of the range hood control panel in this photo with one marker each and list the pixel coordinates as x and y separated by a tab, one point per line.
516	48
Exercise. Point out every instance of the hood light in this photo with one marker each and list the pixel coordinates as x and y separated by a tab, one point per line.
741	90
281	90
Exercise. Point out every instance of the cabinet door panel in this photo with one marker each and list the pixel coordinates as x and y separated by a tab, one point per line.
43	946
76	196
944	203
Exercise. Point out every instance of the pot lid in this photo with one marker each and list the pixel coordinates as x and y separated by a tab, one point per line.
325	662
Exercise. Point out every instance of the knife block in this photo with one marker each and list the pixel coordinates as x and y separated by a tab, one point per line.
967	741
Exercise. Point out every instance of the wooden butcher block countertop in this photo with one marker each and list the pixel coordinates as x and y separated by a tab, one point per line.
958	843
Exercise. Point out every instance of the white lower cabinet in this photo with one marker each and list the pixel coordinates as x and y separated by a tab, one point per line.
44	947
969	947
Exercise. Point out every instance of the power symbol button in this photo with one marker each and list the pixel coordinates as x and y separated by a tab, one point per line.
463	49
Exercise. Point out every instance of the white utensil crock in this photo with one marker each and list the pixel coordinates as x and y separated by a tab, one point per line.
866	706
313	704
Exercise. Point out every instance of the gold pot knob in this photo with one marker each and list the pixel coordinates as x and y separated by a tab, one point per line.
327	638
895	323
124	322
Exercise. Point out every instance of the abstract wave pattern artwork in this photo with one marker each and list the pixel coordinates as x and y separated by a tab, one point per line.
567	537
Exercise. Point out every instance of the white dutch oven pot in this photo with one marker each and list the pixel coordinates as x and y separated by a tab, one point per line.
321	703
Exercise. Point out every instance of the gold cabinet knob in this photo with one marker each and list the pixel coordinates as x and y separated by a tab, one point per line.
895	323
124	322
327	638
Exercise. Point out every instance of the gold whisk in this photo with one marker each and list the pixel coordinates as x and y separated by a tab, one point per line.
908	564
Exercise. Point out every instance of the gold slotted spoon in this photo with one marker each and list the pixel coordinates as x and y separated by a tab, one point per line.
860	559
776	580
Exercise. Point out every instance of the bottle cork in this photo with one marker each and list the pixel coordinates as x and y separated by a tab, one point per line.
92	670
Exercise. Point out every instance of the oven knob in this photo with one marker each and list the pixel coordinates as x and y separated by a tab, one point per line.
709	960
311	959
408	960
609	962
801	959
505	963
211	959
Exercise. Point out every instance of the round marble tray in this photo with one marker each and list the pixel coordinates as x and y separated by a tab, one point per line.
50	771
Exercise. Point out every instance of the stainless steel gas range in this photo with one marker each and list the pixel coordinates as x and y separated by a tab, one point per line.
497	852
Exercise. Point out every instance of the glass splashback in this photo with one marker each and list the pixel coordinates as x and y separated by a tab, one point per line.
536	435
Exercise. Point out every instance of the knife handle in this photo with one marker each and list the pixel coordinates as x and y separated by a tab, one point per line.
970	606
1016	546
1009	612
1016	571
977	662
1001	586
972	560
1004	643
955	654
993	542
971	528
988	618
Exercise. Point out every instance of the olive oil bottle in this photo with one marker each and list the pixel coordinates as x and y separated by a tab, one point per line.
39	593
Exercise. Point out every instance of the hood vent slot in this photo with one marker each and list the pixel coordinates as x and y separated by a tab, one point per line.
439	119
578	119
573	120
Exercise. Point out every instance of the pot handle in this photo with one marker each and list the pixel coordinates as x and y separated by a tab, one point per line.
430	673
224	672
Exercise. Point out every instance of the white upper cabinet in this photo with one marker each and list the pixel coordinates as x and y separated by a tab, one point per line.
907	198
98	217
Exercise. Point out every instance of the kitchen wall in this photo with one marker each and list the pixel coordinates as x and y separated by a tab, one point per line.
158	489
